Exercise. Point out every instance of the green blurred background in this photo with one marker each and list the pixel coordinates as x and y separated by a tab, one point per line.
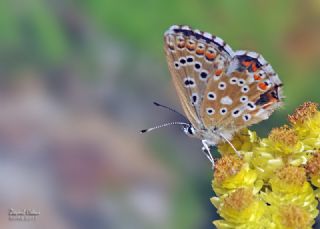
77	82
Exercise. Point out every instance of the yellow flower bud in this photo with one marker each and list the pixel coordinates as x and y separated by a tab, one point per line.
240	209
292	217
230	173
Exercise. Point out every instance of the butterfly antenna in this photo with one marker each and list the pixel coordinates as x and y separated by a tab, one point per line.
232	146
170	109
164	125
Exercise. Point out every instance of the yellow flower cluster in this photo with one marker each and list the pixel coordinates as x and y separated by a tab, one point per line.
276	182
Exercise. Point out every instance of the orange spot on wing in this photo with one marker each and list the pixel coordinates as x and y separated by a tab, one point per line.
190	46
262	86
200	51
218	72
256	77
246	63
254	67
210	55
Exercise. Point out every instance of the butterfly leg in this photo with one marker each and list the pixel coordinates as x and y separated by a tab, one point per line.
206	151
232	146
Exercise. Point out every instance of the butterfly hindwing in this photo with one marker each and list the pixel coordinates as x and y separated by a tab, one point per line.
247	93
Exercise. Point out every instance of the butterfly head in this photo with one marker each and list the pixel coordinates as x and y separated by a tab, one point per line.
189	130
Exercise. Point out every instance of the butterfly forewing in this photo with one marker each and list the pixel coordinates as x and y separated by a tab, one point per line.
194	58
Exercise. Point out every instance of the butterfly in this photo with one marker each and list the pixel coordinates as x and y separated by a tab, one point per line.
221	91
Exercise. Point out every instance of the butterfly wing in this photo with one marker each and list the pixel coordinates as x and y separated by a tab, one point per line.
248	92
194	58
220	91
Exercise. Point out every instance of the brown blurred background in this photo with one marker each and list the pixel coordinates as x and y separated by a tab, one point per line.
77	82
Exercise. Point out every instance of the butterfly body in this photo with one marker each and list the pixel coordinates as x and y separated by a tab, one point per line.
221	90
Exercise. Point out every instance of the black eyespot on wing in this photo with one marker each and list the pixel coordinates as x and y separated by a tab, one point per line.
188	82
241	82
211	95
189	59
236	112
194	98
203	75
182	61
250	105
197	66
246	117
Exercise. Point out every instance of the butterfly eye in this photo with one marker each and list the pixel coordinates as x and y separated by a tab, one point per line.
191	130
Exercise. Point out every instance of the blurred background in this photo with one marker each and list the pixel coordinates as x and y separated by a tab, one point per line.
77	82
